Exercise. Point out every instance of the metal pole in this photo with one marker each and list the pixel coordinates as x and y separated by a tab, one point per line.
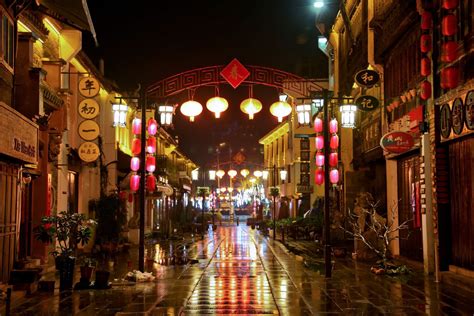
274	202
327	243
141	247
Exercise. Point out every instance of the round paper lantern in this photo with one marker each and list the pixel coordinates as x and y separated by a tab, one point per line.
450	77
150	183
220	173
232	173
136	126
426	20
151	145
334	142
320	159
134	182
152	126
333	126
319	176
425	43
280	110
449	25
217	105
319	142
135	163
450	4
334	176
136	146
449	51
318	125
425	67
244	172
333	159
150	164
251	106
191	108
425	88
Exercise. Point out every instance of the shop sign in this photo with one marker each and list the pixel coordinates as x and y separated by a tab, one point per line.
88	109
367	103
88	152
367	78
457	116
89	87
89	130
445	121
469	107
397	142
19	136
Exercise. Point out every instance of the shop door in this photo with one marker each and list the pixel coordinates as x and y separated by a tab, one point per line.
8	218
461	177
409	207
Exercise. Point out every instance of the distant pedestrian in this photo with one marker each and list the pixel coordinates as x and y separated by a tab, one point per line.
237	221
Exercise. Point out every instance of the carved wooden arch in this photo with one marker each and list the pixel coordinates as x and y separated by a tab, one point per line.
209	76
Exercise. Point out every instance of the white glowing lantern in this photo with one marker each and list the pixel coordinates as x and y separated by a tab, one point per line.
348	115
251	106
280	109
166	114
283	174
120	114
232	173
195	174
217	105
265	174
220	173
191	108
230	189
212	175
258	174
252	180
304	114
244	172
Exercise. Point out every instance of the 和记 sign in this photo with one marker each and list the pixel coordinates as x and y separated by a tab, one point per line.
397	142
367	78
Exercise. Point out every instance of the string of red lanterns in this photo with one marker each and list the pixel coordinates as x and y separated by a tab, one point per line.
333	156
450	75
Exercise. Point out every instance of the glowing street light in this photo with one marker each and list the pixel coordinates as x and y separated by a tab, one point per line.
318	4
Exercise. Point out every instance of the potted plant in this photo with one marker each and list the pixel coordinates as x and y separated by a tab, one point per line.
67	230
87	268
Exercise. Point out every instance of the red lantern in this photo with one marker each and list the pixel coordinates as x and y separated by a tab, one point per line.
333	159
136	146
151	145
319	159
425	43
450	4
130	198
319	176
333	126
152	126
136	126
334	176
449	51
150	164
334	142
318	125
151	183
425	87
134	182
122	195
449	25
426	20
425	67
319	142
135	163
450	77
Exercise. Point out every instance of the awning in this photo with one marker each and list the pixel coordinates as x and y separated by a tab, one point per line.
71	12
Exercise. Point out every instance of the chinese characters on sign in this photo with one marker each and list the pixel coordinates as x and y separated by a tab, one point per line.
89	87
367	78
89	130
367	103
456	118
304	164
89	152
88	109
397	142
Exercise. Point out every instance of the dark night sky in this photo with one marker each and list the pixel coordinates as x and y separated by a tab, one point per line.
146	41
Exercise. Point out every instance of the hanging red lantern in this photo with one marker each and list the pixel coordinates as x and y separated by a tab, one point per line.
333	159
151	183
426	20
134	182
449	51
122	195
425	43
319	142
319	159
135	163
449	25
425	66
450	4
333	126
425	88
151	145
136	146
450	77
334	142
150	163
136	126
334	176
130	197
319	176
318	125
152	126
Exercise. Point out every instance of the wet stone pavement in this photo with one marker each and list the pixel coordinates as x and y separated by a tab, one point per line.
241	272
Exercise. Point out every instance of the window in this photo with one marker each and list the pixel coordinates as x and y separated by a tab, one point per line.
7	40
65	77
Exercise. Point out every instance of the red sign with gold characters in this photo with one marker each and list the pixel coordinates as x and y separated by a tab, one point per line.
235	73
397	142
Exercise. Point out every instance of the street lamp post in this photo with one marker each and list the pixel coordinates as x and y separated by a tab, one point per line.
327	235
141	244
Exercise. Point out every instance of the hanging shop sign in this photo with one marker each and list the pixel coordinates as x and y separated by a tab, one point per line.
397	142
89	87
469	107
88	152
445	120
235	73
367	78
367	103
89	130
88	109
457	116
